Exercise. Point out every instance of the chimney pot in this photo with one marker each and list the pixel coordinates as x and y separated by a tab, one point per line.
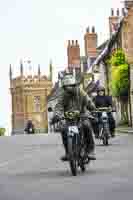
128	4
88	29
123	12
112	12
93	29
118	12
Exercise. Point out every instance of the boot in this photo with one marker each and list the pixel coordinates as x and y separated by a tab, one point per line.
113	134
65	157
91	155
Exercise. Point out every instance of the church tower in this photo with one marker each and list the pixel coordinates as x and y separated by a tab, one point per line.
29	100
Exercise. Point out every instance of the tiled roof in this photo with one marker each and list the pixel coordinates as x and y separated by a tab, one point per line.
102	46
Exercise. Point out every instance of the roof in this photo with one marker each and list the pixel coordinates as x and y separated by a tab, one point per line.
108	45
87	62
102	46
92	87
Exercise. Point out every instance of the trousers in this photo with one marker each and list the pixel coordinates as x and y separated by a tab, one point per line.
85	125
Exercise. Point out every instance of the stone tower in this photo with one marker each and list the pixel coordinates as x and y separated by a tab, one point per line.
29	100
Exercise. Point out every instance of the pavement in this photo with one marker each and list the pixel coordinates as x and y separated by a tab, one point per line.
124	129
30	169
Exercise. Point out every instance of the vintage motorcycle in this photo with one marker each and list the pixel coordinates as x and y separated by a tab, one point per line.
104	130
76	143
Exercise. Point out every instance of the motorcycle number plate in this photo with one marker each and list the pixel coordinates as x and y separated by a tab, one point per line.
73	130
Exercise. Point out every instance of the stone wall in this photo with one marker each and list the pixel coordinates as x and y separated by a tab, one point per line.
29	101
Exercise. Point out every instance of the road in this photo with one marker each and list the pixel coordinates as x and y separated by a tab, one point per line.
30	169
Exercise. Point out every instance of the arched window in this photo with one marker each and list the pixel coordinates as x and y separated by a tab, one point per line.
37	103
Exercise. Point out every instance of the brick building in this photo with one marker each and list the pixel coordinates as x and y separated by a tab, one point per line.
75	60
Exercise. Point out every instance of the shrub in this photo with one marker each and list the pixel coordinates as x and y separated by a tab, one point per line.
119	74
2	131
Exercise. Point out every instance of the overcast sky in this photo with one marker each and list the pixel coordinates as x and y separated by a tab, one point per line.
38	30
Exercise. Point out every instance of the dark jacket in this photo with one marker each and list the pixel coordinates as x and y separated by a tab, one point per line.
103	101
78	101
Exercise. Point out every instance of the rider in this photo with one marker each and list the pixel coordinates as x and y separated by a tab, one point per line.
29	126
103	100
72	97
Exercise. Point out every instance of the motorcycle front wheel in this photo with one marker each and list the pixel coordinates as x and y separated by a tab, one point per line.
72	151
105	137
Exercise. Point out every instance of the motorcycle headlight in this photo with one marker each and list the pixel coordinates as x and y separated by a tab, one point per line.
104	114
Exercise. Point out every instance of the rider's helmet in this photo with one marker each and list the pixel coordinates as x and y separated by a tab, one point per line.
69	82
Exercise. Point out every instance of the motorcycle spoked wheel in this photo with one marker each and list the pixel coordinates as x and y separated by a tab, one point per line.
105	137
81	160
72	151
82	156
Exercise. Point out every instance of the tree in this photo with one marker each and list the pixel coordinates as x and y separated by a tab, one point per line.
119	74
120	81
2	131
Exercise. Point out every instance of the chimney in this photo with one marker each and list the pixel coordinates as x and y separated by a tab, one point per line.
128	4
123	12
113	21
90	39
73	54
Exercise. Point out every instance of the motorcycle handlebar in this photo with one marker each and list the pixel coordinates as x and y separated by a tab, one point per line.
103	109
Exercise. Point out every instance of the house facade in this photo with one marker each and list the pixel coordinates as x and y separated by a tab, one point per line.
121	31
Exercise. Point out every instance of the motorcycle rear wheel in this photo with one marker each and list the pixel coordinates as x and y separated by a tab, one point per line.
82	167
105	141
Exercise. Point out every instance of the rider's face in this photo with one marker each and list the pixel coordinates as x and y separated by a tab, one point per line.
101	93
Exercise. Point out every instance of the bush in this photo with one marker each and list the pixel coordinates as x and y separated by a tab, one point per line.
118	58
2	131
119	73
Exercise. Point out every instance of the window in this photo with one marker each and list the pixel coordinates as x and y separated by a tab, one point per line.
37	101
